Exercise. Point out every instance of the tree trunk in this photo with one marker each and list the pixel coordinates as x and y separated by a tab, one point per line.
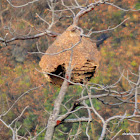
53	118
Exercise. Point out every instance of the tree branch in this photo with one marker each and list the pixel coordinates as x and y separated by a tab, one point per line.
47	32
52	119
82	119
23	4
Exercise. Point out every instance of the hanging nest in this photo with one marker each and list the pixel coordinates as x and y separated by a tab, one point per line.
85	58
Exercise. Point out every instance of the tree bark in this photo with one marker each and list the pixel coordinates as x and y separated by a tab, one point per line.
53	118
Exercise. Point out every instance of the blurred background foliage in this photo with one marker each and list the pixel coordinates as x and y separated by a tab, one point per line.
119	50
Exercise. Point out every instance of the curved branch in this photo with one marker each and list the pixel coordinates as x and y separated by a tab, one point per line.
91	7
23	4
83	12
48	33
109	29
64	50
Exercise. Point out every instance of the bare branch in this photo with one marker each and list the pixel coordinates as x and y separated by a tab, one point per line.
109	29
126	10
64	50
52	118
49	33
5	113
82	119
19	115
31	2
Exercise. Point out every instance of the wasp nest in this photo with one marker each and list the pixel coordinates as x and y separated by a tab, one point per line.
85	58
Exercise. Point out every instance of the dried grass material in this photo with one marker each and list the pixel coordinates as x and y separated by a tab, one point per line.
85	58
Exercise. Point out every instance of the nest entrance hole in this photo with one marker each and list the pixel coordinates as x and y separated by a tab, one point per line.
59	71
